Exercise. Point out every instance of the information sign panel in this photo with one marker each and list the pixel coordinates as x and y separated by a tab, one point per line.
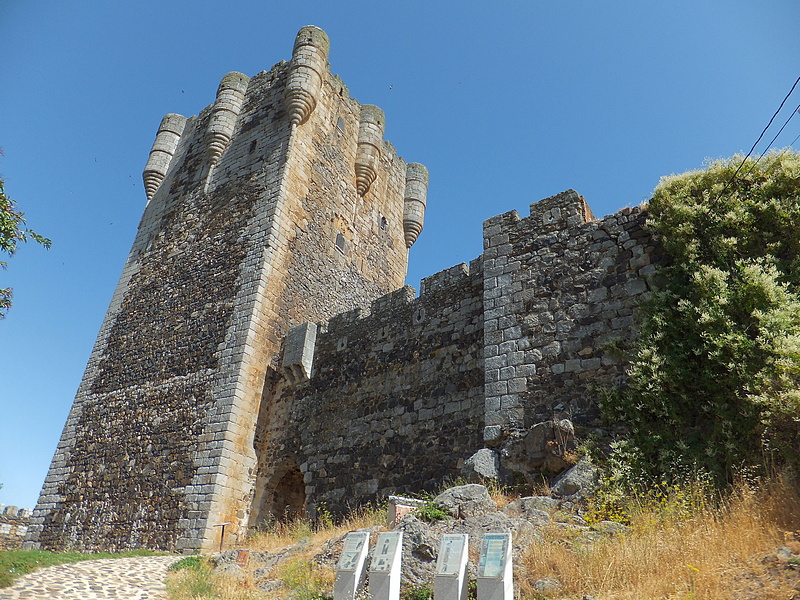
495	571
493	554
354	546
386	549
384	571
451	551
350	568
450	582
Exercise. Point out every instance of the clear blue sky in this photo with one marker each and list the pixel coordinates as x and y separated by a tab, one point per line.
504	102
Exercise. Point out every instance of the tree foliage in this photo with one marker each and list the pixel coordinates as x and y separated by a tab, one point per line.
713	380
13	230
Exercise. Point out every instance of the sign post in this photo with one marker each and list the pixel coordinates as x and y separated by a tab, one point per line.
350	568
450	582
495	569
384	570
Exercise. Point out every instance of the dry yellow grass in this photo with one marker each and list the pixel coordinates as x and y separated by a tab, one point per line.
281	535
715	554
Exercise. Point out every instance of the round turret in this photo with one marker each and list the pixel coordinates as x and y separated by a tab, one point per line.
169	133
230	98
414	201
309	63
370	139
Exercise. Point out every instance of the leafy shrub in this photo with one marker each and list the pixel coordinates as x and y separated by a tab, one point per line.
712	384
431	512
421	592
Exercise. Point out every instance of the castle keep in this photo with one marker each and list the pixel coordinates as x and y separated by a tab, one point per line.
261	356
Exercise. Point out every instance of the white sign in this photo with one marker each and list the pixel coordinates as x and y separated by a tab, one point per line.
495	572
350	568
450	582
384	571
451	551
385	550
493	554
354	545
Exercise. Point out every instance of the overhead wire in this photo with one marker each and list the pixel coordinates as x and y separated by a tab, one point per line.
791	116
744	160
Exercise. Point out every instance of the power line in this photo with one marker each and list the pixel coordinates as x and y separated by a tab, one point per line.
765	130
795	139
791	116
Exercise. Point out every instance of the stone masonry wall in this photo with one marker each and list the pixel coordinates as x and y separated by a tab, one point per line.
13	526
253	224
139	460
279	205
561	291
394	403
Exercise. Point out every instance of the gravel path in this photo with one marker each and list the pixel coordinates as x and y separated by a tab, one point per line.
136	578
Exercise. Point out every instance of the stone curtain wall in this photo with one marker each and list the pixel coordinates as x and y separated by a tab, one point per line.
561	291
395	400
13	526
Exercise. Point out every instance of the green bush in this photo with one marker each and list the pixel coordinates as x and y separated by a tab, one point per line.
431	512
422	592
712	384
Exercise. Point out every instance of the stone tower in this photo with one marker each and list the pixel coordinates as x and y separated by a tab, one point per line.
280	204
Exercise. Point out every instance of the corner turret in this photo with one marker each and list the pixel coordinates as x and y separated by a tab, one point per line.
309	63
169	132
230	97
370	139
414	201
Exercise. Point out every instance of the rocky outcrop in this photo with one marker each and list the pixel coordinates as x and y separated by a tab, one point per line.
466	501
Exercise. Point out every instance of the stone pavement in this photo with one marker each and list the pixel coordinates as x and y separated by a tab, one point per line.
135	578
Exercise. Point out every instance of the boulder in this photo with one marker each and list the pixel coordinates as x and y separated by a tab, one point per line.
546	585
523	531
466	501
421	541
536	509
529	511
578	482
609	528
231	570
484	464
543	447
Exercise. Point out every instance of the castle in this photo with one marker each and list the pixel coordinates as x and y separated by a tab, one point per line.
261	356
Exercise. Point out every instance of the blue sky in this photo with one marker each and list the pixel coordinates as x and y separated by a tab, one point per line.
504	102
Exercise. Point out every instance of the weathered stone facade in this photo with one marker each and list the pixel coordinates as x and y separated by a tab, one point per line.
260	356
392	403
13	526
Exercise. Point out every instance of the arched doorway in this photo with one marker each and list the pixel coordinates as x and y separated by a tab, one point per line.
289	496
281	497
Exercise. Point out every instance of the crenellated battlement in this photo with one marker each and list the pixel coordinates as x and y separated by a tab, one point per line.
385	308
